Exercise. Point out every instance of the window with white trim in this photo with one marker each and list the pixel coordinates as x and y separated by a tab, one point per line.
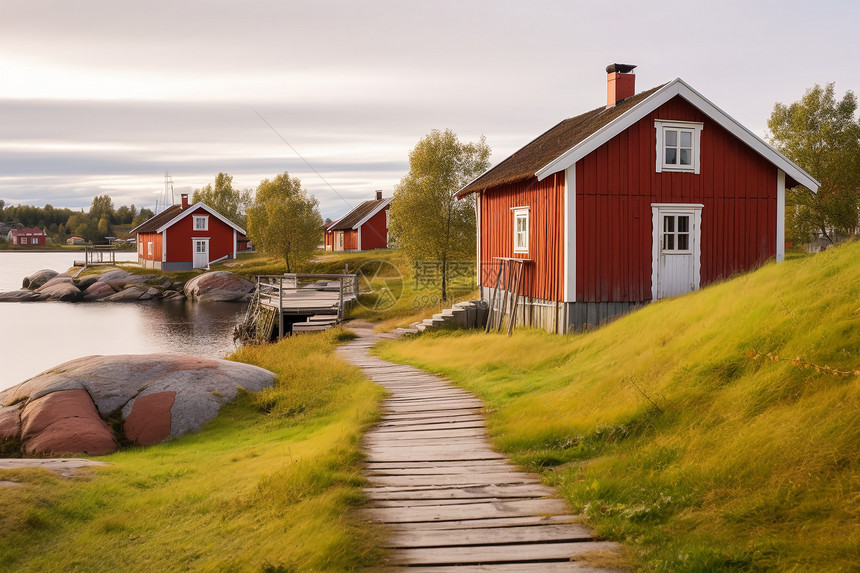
676	233
678	145
201	222
521	229
150	248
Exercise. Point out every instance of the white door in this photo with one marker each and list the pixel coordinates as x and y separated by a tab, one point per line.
201	253
676	249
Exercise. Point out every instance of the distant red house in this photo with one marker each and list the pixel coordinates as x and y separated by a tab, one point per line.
364	228
186	237
654	195
28	236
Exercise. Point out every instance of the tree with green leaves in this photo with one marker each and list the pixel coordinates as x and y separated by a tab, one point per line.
427	220
223	198
285	221
822	136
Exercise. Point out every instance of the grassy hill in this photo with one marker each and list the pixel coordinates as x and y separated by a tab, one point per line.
714	431
267	486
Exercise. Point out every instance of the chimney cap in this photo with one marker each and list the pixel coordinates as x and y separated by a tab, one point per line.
620	68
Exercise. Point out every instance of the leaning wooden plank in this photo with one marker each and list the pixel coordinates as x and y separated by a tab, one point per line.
468	511
515	553
489	536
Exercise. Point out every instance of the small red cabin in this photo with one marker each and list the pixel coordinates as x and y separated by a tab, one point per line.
364	228
30	236
653	195
184	237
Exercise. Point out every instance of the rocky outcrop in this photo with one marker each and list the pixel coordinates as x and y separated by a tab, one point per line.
152	398
118	285
218	286
22	295
65	422
38	278
61	287
97	290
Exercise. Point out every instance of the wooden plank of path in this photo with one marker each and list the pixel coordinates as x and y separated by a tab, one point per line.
448	500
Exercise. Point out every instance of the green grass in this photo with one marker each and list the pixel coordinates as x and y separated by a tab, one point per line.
268	485
707	432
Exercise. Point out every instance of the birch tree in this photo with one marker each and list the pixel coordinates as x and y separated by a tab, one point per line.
427	220
284	220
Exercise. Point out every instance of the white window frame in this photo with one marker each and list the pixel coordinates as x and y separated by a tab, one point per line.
692	127
521	213
204	219
150	248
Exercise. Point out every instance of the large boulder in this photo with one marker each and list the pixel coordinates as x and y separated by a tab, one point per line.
218	286
65	422
127	294
98	290
61	287
38	278
157	396
22	295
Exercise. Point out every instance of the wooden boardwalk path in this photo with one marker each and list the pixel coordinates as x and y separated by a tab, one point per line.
450	502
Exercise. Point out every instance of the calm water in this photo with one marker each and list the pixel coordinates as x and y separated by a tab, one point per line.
36	336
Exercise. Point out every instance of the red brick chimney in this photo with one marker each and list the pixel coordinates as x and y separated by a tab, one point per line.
620	83
184	200
379	195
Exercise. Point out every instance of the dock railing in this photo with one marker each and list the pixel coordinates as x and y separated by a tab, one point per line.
300	294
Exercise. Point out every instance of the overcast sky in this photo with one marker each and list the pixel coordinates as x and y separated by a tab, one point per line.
104	97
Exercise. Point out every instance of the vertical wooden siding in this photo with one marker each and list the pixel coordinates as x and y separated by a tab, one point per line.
544	277
374	233
617	183
350	240
145	239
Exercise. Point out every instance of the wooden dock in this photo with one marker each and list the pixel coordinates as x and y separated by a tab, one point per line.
294	303
450	502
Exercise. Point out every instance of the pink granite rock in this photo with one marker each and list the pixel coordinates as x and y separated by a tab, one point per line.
10	422
218	286
65	422
61	288
38	278
149	420
97	290
159	396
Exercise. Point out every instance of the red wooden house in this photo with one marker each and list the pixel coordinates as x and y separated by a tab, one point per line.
29	236
653	195
186	237
364	228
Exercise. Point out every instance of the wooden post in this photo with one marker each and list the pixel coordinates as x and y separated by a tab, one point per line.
490	317
516	295
280	307
340	298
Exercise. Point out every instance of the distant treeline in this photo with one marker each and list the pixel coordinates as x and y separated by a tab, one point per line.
60	224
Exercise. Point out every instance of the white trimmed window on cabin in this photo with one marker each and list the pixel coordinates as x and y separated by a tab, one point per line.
521	229
678	145
150	248
201	222
676	233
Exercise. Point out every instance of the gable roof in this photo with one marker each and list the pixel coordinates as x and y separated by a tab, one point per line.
359	215
28	231
574	138
176	213
523	164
